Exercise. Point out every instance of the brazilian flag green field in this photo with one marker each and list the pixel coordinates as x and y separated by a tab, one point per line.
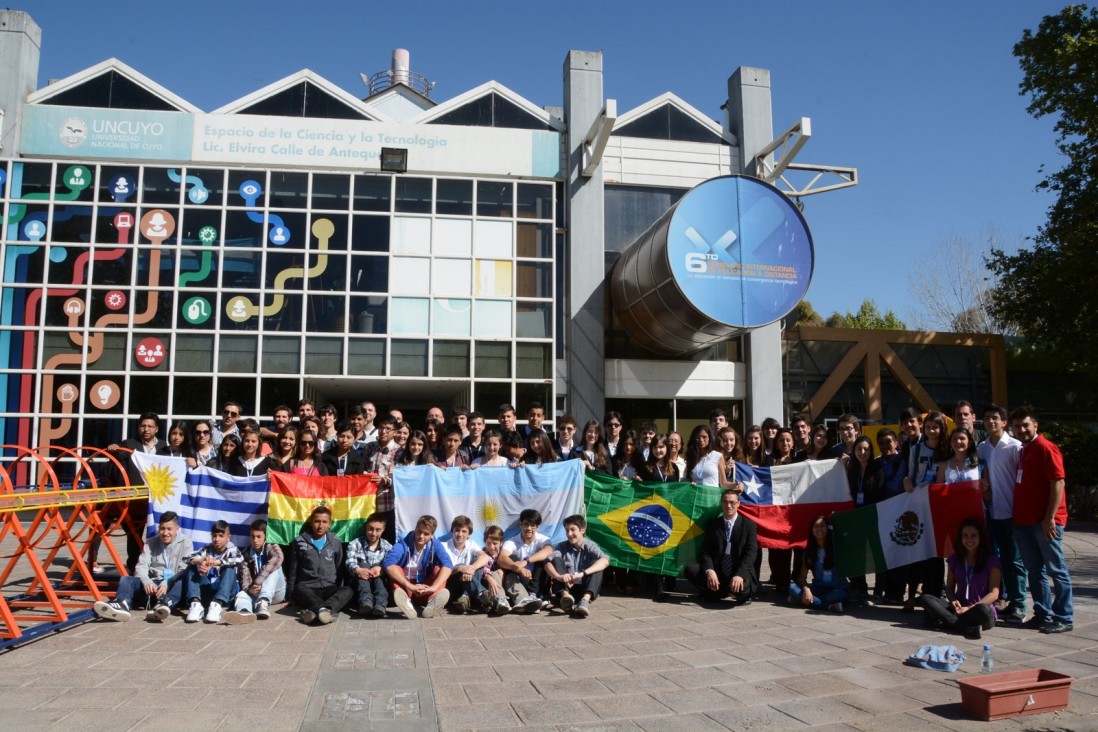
651	527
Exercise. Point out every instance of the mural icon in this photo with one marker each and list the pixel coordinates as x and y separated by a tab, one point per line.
115	300
150	352
238	309
121	187
123	221
105	394
74	307
207	235
67	393
197	310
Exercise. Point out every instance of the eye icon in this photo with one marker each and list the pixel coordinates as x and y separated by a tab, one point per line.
249	190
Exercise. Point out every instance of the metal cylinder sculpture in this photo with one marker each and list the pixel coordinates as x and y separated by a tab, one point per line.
733	254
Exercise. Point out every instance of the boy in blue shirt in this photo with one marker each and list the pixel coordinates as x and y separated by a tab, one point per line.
418	567
575	569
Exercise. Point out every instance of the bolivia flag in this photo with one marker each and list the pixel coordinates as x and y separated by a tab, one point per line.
652	527
904	529
783	500
351	499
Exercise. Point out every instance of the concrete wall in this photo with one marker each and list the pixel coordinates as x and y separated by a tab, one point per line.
20	48
751	121
584	331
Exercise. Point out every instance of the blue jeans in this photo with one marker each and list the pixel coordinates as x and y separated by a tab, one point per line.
371	591
223	590
1044	559
1014	571
130	589
273	590
821	594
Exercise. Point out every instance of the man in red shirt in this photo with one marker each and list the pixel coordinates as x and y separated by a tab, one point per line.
1040	515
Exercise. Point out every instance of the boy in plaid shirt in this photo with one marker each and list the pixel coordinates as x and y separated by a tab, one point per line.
364	557
261	578
211	575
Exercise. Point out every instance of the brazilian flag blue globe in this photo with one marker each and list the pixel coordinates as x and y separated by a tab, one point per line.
650	527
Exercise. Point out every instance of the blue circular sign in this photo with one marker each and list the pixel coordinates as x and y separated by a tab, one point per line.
740	251
650	526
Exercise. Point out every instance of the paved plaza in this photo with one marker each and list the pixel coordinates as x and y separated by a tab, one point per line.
634	664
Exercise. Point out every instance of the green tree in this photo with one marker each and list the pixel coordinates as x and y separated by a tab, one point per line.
1044	289
868	317
803	314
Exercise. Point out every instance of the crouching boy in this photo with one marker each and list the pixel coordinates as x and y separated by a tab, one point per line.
465	557
485	587
261	580
418	567
313	582
522	560
364	557
159	575
211	576
575	569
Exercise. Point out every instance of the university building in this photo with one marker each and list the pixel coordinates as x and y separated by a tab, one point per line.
401	247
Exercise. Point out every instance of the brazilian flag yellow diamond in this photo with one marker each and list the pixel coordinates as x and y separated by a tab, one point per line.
650	526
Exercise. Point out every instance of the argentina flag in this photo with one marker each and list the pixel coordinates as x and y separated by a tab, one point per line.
489	496
201	497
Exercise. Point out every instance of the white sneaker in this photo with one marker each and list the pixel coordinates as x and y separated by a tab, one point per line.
238	617
118	611
404	603
502	606
160	613
195	613
523	605
324	616
263	610
213	615
439	600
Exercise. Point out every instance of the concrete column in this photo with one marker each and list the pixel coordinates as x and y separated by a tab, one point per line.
585	331
751	121
20	48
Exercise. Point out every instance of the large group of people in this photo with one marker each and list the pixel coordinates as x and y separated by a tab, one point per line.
1017	545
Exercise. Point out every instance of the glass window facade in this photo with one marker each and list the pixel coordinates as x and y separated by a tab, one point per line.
129	288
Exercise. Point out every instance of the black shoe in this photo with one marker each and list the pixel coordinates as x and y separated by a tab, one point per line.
973	633
365	609
909	606
1055	627
1012	617
1036	623
660	597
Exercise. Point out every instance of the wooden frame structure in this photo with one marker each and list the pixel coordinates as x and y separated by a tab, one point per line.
874	347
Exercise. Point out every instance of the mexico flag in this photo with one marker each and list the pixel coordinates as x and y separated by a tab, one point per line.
351	499
782	500
904	529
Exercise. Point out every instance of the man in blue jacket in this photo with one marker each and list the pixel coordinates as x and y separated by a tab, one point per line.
418	567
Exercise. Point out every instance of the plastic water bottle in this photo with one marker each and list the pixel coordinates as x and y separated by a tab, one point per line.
987	663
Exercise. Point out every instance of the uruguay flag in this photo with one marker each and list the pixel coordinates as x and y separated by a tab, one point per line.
201	497
489	495
784	499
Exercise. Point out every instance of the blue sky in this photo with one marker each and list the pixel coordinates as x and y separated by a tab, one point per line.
922	99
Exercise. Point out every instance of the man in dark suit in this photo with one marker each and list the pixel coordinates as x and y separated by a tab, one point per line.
727	565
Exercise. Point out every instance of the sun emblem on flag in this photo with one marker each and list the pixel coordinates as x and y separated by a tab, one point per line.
489	512
161	483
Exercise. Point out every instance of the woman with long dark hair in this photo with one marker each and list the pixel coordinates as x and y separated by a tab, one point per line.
703	457
973	575
827	587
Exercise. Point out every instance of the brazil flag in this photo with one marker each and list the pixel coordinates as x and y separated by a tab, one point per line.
651	527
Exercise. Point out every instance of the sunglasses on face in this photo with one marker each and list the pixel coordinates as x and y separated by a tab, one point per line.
227	413
308	444
202	432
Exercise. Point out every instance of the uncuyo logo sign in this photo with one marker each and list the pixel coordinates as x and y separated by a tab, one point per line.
740	251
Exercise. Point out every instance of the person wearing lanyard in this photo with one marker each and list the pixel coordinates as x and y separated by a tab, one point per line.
973	575
343	459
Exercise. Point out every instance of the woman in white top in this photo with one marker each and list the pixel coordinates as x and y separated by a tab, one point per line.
963	463
702	457
492	459
202	442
